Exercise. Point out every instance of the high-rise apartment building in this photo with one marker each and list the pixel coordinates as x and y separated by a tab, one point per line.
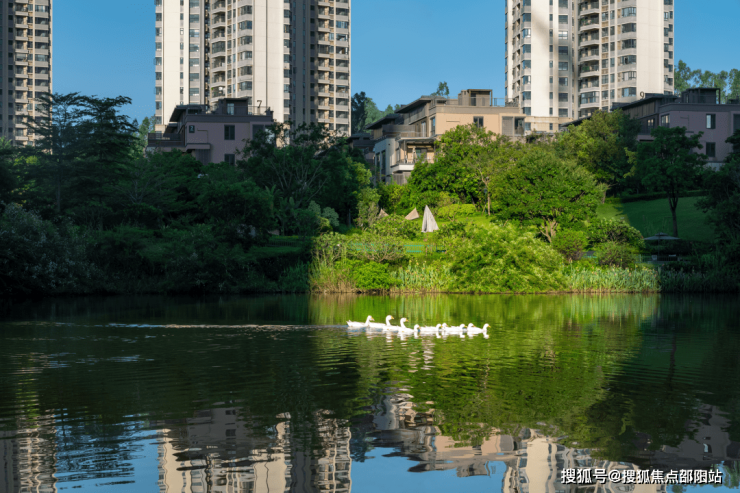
292	56
565	59
27	54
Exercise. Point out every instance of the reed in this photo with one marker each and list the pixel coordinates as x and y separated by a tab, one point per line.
613	280
422	278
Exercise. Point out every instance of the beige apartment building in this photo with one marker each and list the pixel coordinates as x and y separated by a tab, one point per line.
409	135
566	59
28	55
292	57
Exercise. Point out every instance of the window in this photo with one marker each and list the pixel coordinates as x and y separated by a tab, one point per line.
527	110
629	11
478	121
194	62
563	97
195	33
562	34
712	121
562	65
563	4
229	132
629	43
629	92
628	59
711	149
551	127
526	79
665	120
562	50
194	48
230	159
563	112
562	81
550	95
194	18
526	33
245	86
526	48
230	110
342	25
562	19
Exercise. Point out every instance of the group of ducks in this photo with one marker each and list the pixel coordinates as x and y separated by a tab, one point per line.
439	330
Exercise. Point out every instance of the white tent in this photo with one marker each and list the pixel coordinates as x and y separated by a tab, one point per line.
413	215
429	224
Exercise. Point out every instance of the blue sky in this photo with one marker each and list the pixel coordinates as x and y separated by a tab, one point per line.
401	49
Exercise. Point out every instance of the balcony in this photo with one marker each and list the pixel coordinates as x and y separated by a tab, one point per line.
219	7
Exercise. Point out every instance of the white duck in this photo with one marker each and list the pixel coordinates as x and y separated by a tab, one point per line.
458	329
382	326
405	330
359	325
428	330
473	330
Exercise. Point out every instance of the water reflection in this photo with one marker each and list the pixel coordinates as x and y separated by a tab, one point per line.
213	396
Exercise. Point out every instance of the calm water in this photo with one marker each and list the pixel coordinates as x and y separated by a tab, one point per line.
274	394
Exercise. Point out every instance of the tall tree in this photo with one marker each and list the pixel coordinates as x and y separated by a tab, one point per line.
498	156
359	111
59	141
600	144
443	90
547	191
8	174
684	78
669	164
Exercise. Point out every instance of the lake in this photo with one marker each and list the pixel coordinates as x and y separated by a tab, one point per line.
275	394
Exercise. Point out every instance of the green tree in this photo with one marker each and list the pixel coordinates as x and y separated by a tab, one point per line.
548	192
498	155
142	135
684	78
8	173
600	144
448	172
722	202
442	90
308	164
669	164
359	111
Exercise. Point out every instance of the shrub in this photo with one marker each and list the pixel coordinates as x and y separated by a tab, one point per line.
456	210
496	258
617	231
396	226
38	258
594	280
371	276
615	254
570	244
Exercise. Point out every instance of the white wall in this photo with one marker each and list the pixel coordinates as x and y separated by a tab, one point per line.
268	56
650	54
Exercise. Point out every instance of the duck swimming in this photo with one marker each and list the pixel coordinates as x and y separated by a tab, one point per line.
384	326
473	330
358	325
405	330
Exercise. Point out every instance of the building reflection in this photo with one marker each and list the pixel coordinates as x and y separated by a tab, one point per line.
227	450
219	451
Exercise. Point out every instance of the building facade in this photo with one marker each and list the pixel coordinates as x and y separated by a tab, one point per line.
211	135
292	57
409	135
28	56
566	59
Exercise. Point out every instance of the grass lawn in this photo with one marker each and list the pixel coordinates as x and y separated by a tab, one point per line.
654	216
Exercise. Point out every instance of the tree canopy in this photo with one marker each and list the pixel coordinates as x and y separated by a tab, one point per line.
669	164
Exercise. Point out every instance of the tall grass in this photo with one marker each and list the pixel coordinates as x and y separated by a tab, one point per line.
613	280
422	278
715	281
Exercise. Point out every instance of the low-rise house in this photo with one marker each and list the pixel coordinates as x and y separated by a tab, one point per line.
211	135
699	110
403	138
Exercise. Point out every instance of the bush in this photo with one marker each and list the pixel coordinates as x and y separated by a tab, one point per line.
651	196
614	254
456	210
570	244
496	258
613	230
396	226
38	258
371	276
